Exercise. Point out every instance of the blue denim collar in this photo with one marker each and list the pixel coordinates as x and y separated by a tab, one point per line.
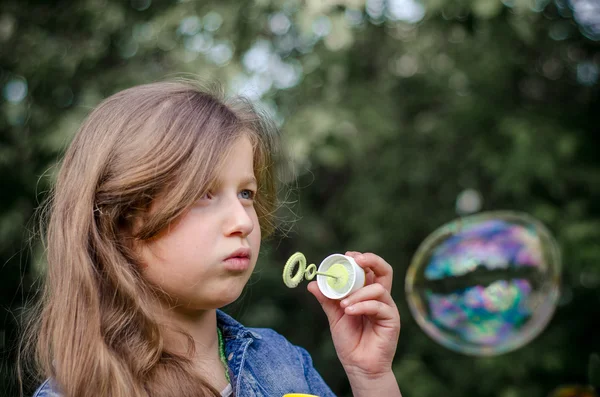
262	363
232	329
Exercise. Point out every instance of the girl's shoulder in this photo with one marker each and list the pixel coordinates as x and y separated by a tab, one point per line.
270	342
262	350
264	340
46	389
265	363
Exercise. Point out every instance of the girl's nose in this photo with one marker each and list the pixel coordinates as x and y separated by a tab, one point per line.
239	219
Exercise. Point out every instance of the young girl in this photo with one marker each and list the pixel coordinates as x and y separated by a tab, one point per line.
155	223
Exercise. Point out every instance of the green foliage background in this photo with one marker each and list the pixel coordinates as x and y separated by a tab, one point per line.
387	117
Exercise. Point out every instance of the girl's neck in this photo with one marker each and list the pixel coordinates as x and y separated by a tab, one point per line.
200	325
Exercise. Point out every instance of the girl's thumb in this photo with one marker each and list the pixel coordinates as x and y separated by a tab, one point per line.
330	306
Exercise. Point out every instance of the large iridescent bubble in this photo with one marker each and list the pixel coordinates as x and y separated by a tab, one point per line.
485	284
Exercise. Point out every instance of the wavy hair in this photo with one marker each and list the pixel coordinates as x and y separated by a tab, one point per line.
93	330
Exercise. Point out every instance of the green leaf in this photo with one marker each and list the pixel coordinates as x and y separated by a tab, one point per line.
487	9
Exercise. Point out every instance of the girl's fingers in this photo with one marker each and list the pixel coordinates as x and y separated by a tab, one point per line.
370	292
369	276
313	288
374	309
330	307
382	270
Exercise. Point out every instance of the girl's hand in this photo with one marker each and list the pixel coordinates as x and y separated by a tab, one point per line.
365	325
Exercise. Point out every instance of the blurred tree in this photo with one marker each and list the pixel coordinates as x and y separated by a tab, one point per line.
390	109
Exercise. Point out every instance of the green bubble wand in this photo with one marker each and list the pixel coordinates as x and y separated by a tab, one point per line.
342	275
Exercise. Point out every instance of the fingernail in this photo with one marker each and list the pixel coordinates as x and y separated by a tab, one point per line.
345	302
350	308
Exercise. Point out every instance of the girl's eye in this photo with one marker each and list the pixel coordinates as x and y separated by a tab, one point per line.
247	194
207	196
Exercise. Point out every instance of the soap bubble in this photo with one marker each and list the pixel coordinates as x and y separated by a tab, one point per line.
485	284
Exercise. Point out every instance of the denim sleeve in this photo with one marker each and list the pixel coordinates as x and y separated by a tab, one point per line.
316	384
46	389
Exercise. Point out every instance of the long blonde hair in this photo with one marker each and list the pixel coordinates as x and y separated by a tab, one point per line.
93	331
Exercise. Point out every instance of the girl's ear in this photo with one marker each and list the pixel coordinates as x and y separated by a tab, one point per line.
134	217
129	226
132	225
136	247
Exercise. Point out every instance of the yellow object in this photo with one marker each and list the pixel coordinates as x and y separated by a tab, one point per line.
291	279
299	395
340	277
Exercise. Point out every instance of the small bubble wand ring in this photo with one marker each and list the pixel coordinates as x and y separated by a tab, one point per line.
292	280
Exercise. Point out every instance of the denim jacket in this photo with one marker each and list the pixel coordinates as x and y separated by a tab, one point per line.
262	363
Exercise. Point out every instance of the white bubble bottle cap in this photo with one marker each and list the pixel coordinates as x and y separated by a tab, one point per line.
347	276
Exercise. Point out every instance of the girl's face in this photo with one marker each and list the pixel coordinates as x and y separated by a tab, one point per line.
204	259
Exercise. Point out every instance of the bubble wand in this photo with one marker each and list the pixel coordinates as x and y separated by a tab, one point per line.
337	277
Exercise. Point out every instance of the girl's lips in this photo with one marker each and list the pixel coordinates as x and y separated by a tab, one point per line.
238	264
239	260
240	253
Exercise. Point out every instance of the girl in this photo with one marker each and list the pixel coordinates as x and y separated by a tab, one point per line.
156	223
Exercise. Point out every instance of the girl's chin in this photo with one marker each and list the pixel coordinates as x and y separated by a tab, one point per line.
224	299
225	294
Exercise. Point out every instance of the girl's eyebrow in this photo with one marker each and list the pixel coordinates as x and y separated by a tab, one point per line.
249	180
244	181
